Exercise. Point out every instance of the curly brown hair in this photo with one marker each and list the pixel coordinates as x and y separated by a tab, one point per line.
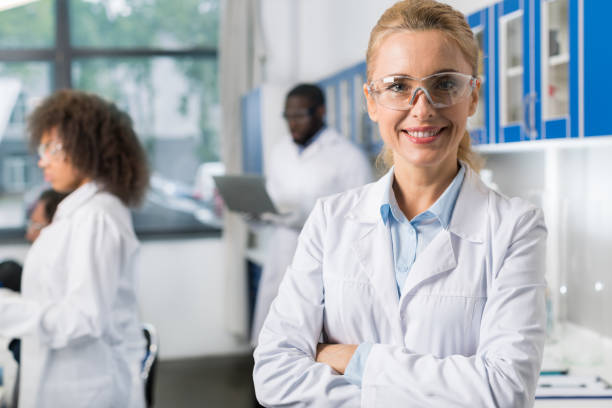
98	139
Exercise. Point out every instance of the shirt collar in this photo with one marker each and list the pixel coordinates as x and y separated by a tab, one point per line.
441	209
75	199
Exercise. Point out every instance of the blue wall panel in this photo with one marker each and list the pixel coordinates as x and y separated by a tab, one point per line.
251	133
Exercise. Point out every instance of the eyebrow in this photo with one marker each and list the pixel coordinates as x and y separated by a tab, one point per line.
433	73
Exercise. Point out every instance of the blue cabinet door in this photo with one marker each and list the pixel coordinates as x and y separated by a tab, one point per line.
517	74
480	123
597	60
346	109
558	63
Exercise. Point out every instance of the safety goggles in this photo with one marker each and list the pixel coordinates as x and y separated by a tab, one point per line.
48	150
442	90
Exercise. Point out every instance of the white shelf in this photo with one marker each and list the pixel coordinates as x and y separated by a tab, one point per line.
514	71
559	59
543	145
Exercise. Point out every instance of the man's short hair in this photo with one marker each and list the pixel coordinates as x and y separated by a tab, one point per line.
309	91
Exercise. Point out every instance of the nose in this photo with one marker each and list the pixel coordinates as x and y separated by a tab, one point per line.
42	162
421	105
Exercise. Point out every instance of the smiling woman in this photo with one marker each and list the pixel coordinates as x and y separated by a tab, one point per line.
425	288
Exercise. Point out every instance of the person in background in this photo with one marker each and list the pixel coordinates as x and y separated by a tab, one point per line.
42	213
426	288
77	316
314	162
39	216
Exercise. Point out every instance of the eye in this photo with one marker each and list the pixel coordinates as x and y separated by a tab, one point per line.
398	87
446	84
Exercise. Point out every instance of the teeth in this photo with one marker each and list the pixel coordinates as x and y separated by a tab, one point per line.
429	133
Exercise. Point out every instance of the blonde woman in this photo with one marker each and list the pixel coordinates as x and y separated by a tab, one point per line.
424	289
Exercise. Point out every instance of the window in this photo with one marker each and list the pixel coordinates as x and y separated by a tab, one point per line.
155	59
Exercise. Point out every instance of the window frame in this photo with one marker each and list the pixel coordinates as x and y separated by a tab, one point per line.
61	57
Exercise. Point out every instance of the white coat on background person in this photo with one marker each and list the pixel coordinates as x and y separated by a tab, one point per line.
77	316
462	334
297	175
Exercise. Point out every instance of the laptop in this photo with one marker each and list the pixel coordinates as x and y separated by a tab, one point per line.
245	193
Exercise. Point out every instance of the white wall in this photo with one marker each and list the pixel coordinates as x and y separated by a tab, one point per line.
182	284
574	188
307	40
181	289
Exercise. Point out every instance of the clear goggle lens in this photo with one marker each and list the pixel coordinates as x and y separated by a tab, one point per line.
49	149
441	90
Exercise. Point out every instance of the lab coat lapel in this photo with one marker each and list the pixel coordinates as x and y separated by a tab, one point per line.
373	251
76	199
437	258
440	256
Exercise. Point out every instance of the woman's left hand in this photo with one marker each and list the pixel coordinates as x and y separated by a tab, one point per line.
337	356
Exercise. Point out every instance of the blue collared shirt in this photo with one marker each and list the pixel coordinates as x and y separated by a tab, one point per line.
408	238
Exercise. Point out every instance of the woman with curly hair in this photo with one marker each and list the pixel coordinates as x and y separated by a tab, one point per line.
82	342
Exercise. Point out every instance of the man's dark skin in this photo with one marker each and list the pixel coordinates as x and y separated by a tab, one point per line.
304	119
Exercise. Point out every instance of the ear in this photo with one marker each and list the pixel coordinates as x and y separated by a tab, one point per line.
474	99
371	104
320	112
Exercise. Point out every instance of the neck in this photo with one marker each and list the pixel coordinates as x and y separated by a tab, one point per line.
416	188
309	137
83	182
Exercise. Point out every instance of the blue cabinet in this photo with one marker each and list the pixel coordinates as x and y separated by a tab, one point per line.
481	124
545	64
517	74
346	110
558	63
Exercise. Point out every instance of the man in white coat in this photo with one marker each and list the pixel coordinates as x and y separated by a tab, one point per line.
315	162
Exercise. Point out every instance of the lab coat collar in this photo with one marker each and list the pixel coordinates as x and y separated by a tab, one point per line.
373	244
76	199
314	137
326	136
472	199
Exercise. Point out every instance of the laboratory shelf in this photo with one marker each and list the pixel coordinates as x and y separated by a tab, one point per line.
542	145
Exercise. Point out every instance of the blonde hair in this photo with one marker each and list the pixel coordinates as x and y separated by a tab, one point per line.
423	15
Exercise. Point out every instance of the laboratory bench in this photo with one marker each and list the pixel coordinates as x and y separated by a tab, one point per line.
571	353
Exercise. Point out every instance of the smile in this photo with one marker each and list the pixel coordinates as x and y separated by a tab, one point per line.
422	135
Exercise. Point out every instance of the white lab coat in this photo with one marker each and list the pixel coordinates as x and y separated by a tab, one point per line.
329	165
468	330
82	342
